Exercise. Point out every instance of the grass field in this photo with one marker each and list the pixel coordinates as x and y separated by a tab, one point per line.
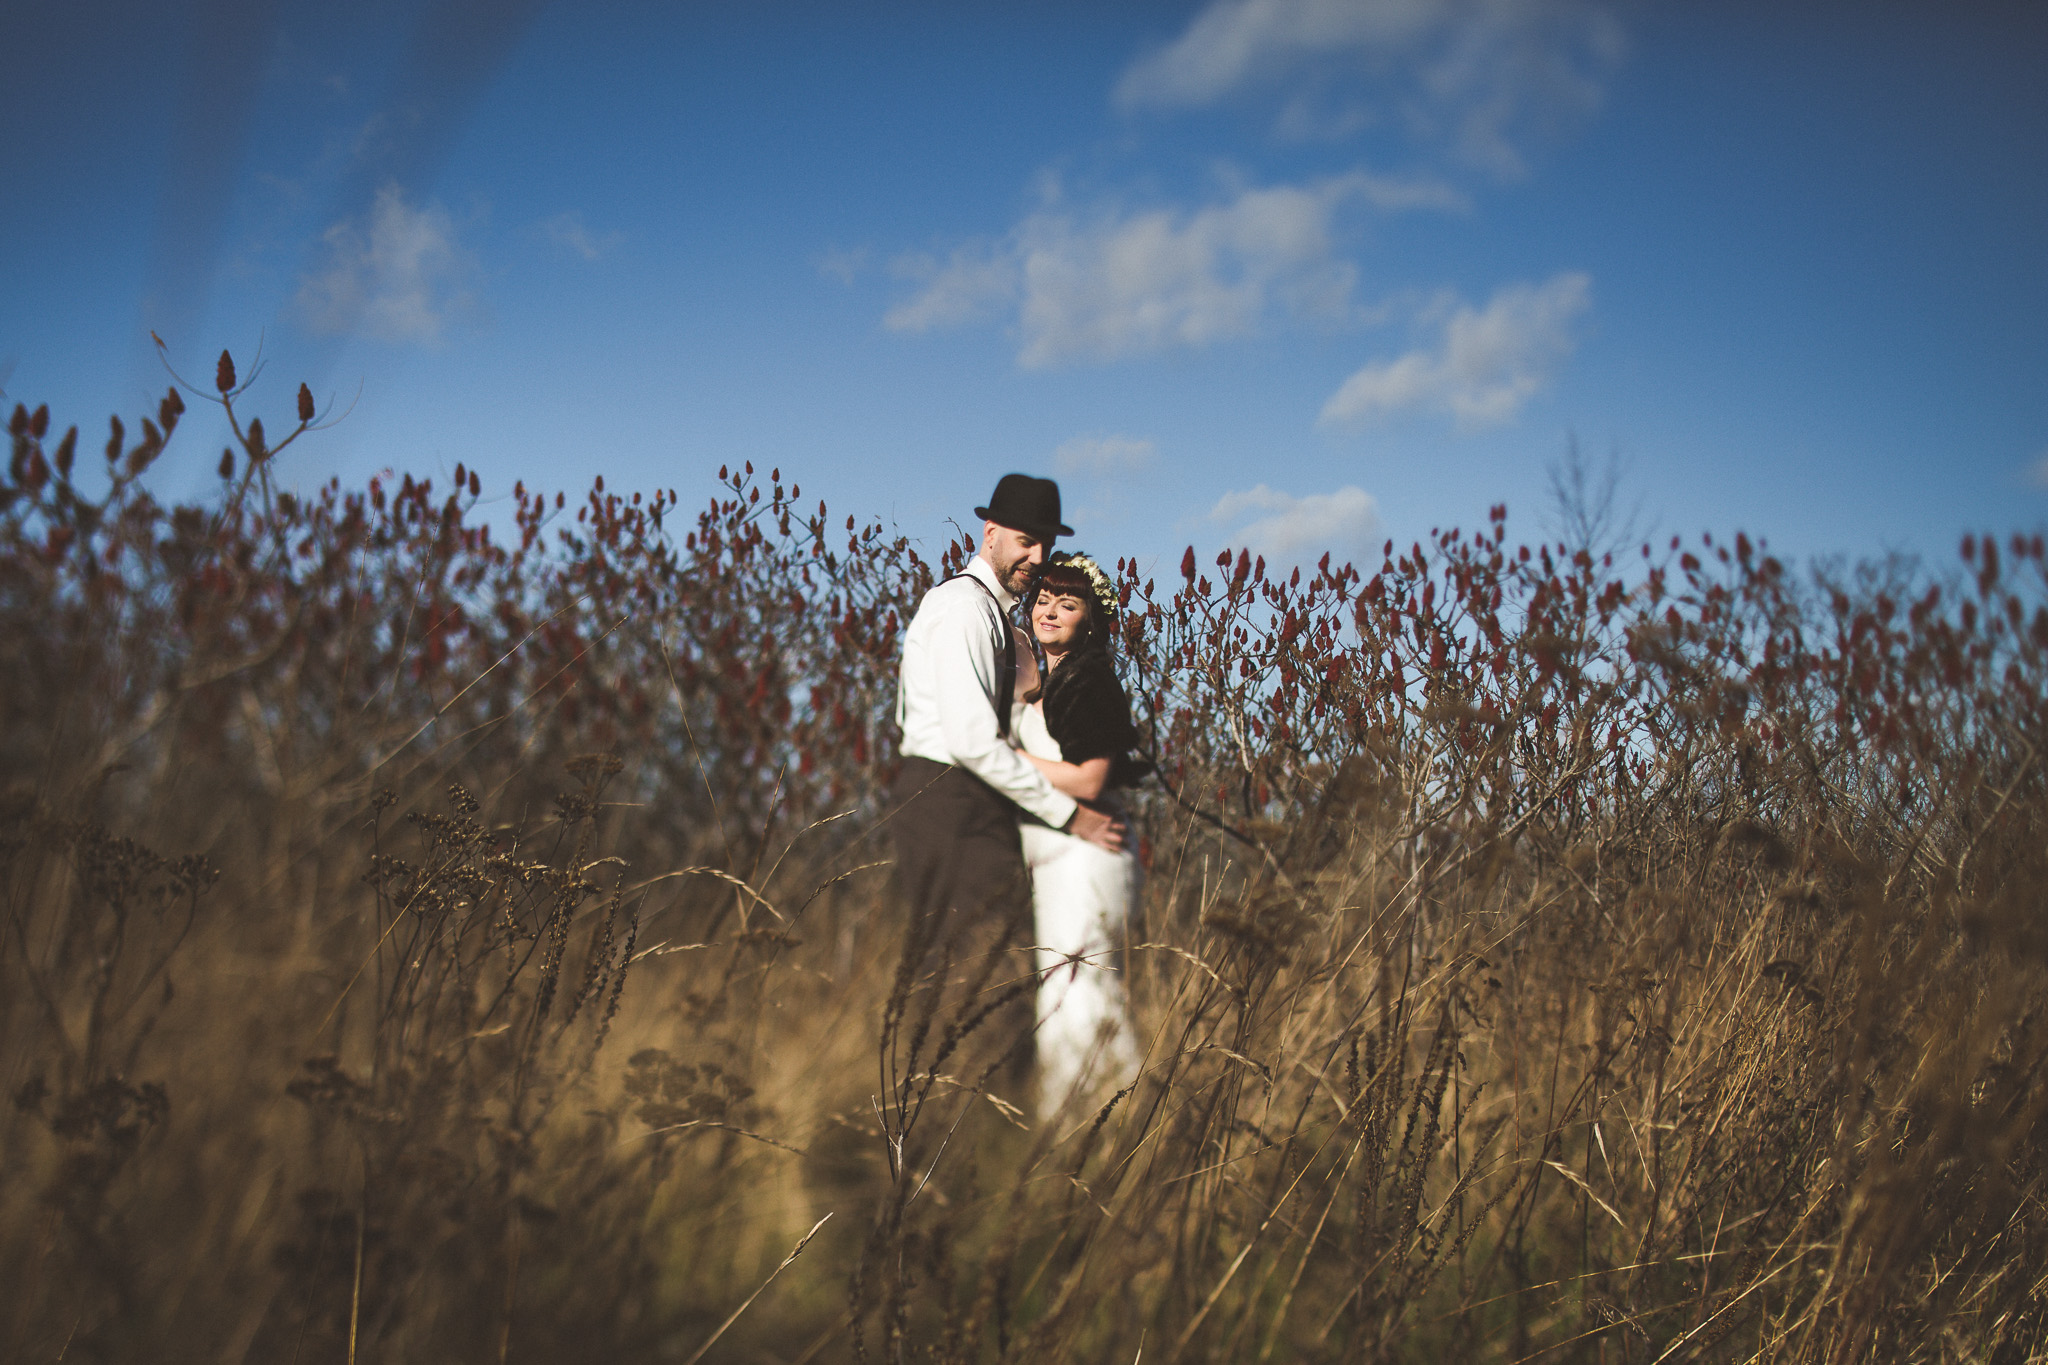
437	940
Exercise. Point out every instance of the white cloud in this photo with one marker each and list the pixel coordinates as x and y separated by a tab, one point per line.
1160	279
1114	284
1489	362
1467	72
1234	43
971	285
568	229
1287	529
1304	119
401	277
843	264
1105	457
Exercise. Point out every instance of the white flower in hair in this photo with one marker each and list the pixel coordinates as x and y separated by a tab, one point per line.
1105	591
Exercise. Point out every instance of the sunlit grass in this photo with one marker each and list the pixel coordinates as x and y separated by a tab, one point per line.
425	947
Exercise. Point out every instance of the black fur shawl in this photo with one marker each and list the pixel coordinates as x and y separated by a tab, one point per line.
1087	711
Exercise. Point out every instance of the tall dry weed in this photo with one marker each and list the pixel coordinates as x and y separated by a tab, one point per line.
422	944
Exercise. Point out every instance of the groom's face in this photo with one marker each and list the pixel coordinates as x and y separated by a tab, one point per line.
1015	555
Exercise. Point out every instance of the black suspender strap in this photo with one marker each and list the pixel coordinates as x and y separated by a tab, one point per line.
1006	657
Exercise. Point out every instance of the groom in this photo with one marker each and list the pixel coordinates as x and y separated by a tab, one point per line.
958	853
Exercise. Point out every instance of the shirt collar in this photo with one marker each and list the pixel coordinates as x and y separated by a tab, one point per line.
979	567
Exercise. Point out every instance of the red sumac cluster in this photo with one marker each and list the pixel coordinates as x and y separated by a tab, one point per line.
744	656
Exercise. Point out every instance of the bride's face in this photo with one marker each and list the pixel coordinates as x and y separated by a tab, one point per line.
1057	621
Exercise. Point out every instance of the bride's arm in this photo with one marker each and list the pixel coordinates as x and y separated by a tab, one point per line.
1082	781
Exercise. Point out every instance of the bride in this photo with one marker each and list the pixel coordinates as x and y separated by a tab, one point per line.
1073	721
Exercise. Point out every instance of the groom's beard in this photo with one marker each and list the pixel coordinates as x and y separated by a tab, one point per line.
1018	576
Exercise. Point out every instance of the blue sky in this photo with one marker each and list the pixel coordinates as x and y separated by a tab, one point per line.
1293	273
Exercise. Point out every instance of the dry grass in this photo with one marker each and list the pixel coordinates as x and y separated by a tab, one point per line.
421	948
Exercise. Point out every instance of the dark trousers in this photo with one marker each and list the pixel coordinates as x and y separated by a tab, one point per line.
960	870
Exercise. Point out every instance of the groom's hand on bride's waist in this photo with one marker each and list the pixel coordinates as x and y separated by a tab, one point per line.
1098	827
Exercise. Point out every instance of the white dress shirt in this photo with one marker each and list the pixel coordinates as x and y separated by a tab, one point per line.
946	691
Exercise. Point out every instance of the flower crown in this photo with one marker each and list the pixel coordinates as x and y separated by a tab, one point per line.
1098	582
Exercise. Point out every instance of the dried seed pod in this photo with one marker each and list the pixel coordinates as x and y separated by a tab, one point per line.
145	453
224	373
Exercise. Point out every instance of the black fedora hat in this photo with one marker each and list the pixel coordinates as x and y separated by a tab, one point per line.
1023	503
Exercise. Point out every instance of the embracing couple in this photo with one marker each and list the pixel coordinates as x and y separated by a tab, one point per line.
1009	843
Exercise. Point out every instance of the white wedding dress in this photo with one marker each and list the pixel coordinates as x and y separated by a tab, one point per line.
1081	899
